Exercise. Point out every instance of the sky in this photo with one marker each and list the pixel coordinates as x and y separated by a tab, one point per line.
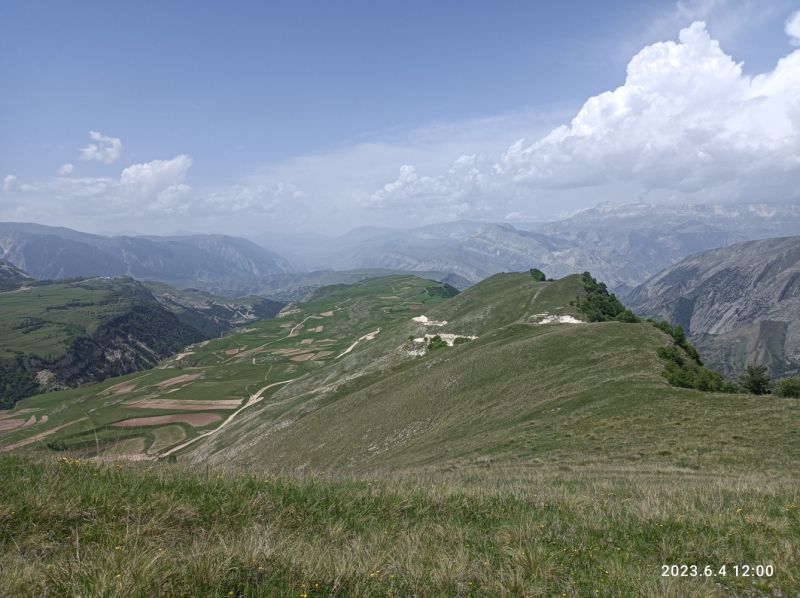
249	117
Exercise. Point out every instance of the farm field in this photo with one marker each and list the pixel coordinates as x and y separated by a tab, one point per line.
201	387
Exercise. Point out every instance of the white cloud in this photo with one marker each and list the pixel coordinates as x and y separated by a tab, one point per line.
257	199
142	191
106	150
11	184
686	122
792	28
156	186
67	170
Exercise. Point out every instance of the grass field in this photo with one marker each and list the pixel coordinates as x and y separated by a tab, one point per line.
136	530
44	320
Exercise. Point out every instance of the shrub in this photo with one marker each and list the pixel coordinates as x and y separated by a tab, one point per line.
15	385
755	380
460	340
436	343
789	388
684	368
445	291
538	275
601	306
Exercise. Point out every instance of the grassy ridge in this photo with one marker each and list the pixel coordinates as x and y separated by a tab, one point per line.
77	529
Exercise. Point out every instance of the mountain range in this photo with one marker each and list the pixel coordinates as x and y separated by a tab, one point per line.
740	304
621	244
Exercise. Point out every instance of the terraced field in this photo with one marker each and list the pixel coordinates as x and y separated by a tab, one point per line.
206	386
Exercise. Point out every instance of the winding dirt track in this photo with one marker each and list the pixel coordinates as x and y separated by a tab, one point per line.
252	401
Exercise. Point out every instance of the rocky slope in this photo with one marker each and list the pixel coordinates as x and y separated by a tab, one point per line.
741	303
12	277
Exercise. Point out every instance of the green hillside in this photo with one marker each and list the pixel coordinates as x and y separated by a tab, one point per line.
67	333
331	452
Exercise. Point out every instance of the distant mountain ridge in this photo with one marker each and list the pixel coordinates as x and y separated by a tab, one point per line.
54	253
623	244
741	303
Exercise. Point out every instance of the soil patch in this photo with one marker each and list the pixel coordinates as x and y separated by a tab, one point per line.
286	325
327	313
306	341
232	351
178	380
7	414
10	424
193	419
187	405
296	330
120	389
36	437
303	357
417	308
392	297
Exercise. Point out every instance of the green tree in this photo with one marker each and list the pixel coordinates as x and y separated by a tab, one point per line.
788	388
755	380
538	275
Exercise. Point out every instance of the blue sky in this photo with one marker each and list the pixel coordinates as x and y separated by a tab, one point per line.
250	116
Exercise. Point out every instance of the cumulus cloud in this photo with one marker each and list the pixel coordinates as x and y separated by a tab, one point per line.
156	188
67	170
106	149
792	28
686	121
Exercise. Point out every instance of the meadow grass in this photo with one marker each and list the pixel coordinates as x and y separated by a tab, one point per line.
72	528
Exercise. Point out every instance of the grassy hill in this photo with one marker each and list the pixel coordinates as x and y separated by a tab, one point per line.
71	333
331	452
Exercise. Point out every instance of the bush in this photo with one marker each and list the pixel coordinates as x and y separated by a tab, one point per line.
460	340
755	380
436	343
601	306
684	368
789	388
16	385
538	275
445	291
